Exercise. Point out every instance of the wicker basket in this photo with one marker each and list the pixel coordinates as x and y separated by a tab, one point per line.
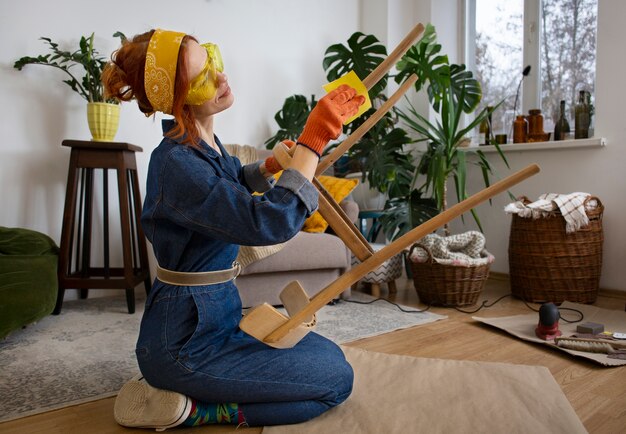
548	264
447	285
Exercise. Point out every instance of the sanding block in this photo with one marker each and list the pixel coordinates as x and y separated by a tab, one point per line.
590	328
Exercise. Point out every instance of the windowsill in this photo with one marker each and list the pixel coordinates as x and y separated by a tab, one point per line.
594	142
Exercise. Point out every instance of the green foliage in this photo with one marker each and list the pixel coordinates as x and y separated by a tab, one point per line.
291	119
380	152
89	85
452	91
381	157
403	213
362	55
434	71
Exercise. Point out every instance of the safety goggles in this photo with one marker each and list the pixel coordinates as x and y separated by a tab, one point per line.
204	85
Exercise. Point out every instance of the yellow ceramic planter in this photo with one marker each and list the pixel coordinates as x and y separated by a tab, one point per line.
103	119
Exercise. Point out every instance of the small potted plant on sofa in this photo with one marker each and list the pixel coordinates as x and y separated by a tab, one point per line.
452	91
102	115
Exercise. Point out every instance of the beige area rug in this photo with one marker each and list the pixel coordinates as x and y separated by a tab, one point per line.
523	327
87	352
403	394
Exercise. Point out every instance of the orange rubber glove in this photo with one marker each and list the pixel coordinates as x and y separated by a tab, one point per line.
326	120
271	165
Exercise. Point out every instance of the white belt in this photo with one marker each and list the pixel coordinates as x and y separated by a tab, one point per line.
181	278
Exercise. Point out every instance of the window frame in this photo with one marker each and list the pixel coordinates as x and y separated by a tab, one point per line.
531	48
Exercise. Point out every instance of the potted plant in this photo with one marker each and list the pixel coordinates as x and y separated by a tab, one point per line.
452	91
102	115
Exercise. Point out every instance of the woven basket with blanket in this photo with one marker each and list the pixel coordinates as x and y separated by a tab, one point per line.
452	270
555	248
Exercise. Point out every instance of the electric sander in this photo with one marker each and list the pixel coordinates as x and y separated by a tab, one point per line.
548	327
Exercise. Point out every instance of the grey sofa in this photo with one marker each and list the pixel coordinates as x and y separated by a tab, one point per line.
313	259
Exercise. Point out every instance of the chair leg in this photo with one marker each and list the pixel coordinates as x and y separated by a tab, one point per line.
375	290
130	300
147	283
392	287
59	303
84	293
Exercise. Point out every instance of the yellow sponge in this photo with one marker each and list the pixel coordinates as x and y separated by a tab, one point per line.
352	80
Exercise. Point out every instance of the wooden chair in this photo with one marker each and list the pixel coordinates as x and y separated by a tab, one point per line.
270	326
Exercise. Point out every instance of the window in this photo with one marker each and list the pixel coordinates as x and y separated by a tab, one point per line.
557	38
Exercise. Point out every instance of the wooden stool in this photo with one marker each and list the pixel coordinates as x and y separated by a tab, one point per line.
77	222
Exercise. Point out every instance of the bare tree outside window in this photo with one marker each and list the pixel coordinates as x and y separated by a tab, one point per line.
568	55
499	57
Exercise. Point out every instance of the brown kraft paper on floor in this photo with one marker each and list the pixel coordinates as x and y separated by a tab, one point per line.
404	394
523	327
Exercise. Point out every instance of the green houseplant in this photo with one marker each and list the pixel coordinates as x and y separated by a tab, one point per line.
379	155
452	91
86	83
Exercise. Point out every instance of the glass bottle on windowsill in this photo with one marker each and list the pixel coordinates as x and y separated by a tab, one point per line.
485	130
582	116
561	128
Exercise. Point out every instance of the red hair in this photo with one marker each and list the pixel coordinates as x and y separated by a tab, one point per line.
123	79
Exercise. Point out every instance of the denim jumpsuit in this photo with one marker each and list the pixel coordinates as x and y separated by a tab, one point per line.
198	210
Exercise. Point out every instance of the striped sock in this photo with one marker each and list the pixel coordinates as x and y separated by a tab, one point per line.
204	414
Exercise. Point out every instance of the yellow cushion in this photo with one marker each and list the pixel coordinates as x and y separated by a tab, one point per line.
339	189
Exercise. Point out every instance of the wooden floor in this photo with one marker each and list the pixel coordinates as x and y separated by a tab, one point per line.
597	394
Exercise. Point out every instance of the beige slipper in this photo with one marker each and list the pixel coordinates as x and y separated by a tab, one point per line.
139	405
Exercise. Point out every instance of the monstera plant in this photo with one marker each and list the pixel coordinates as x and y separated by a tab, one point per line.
452	91
379	155
291	119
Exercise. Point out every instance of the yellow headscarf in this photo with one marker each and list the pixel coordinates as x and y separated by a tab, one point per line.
160	69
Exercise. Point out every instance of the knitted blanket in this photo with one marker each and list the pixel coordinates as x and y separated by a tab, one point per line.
249	254
465	250
572	206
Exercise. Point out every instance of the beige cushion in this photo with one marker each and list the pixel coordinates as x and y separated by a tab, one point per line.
305	251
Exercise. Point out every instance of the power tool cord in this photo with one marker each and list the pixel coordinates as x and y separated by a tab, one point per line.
484	304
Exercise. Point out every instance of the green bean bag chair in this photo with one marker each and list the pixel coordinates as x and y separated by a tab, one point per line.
28	277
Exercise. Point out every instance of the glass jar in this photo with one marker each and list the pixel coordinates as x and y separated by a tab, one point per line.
535	123
520	129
